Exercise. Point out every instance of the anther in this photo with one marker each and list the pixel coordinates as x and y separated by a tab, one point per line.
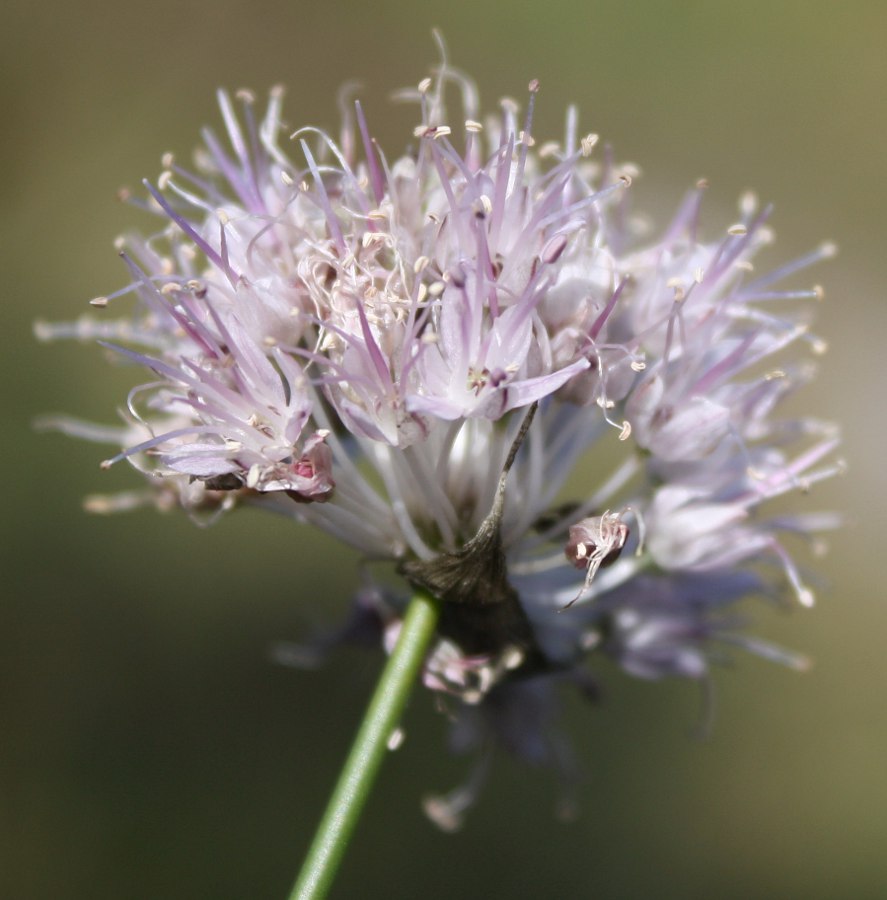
588	143
748	203
549	148
512	658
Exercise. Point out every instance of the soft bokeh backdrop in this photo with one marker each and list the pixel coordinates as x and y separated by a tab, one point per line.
149	748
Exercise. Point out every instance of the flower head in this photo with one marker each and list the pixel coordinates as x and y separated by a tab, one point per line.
416	355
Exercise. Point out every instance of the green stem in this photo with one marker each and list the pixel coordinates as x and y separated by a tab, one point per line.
368	750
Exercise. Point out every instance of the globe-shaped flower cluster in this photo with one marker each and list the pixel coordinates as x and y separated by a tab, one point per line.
427	356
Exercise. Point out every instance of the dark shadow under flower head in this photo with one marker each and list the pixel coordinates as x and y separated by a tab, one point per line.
414	355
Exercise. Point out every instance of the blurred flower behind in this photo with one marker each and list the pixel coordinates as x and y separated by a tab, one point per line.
416	355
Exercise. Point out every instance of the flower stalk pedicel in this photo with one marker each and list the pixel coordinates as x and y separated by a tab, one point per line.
415	354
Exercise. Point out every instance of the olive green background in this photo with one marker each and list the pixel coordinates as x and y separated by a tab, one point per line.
148	747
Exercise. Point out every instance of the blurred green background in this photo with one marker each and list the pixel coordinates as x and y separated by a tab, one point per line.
149	749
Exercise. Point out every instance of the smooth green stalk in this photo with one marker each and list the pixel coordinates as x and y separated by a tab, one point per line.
368	751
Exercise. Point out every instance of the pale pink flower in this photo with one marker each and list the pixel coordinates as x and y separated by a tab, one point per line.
423	352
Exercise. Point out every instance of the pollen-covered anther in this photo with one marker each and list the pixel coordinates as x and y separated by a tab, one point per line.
549	149
483	205
588	143
99	302
748	203
513	658
625	431
737	229
678	287
424	85
818	292
471	125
